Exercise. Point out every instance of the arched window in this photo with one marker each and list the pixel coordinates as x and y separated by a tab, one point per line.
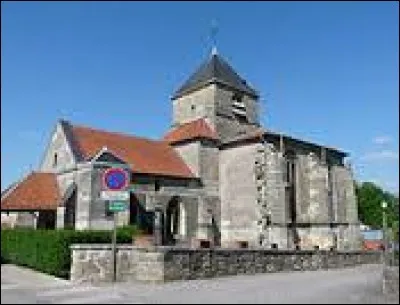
289	166
55	160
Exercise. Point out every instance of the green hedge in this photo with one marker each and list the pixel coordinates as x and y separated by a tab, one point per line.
48	251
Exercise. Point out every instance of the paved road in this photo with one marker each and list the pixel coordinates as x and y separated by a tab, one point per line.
360	285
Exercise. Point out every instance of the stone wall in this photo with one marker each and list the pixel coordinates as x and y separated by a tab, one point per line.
343	191
195	105
92	263
18	219
84	198
238	196
190	153
226	124
311	190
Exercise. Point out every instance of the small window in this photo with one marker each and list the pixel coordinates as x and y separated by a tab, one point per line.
205	244
193	107
243	244
156	185
287	171
237	97
55	160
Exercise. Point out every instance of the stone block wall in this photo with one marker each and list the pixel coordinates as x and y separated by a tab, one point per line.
92	263
320	236
345	199
18	219
190	153
271	207
196	105
238	196
311	190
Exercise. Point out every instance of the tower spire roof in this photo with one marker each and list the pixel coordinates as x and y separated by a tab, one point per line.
215	70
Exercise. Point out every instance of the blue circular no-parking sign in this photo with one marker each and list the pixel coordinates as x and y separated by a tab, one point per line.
115	179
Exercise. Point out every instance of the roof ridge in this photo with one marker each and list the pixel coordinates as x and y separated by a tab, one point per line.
307	141
118	133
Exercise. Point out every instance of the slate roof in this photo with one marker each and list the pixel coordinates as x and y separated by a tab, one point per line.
37	191
259	133
215	70
197	129
143	155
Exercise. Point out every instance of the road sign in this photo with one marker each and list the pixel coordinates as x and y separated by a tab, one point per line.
115	195
115	179
117	206
115	185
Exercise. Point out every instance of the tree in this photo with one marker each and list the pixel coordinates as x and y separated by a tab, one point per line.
369	199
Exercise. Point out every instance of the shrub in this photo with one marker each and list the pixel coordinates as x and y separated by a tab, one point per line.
48	251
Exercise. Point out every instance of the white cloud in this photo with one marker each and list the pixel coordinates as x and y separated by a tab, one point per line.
382	140
383	155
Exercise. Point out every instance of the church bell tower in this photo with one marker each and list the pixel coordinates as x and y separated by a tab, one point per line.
217	93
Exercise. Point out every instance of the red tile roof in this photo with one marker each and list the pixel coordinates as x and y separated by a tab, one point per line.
38	191
192	130
143	155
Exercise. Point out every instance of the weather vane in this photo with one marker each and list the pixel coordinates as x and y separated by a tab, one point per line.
214	31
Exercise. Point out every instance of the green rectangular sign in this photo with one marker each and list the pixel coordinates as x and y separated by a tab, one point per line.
117	206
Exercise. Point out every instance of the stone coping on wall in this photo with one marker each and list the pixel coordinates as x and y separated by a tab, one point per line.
101	246
192	249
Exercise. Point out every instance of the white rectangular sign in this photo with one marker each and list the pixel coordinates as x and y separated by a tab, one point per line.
114	195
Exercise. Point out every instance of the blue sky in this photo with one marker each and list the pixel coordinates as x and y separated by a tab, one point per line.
327	71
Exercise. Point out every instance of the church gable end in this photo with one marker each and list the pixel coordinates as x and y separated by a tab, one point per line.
59	154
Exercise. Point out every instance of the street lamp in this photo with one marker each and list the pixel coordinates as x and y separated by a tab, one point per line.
384	227
384	224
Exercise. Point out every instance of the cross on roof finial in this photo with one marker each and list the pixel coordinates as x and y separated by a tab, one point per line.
214	30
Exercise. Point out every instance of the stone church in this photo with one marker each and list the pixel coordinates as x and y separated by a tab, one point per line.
217	177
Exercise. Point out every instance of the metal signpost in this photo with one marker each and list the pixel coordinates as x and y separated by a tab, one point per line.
115	184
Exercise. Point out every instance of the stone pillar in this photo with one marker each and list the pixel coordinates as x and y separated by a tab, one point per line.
204	227
84	199
182	220
60	217
35	217
158	229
